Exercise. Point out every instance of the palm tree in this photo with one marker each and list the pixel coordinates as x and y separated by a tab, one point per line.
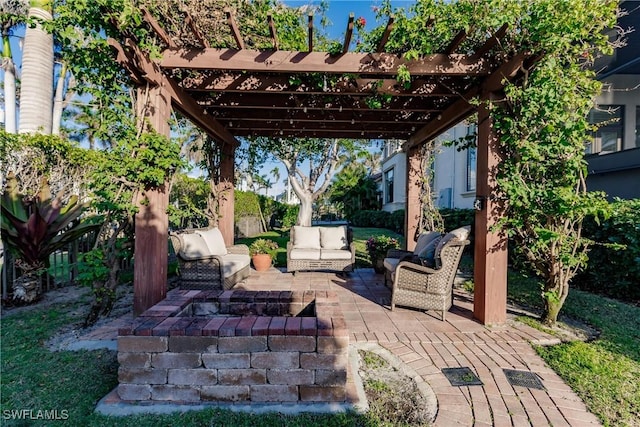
36	99
11	12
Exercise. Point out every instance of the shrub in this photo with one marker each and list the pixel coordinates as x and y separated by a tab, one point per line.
397	221
456	218
377	246
614	271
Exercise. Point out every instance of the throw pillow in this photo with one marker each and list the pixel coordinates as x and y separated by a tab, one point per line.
214	240
333	237
193	246
428	253
424	239
461	234
306	237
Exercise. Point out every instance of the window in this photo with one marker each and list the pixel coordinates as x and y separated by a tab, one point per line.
608	137
471	168
388	186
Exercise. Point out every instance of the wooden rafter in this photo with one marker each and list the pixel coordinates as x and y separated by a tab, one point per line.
382	64
323	115
462	108
249	100
196	31
272	31
455	43
256	83
182	101
348	33
162	34
310	30
385	35
492	41
234	28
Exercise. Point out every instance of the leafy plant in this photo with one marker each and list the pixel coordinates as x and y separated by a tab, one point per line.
34	228
377	246
263	246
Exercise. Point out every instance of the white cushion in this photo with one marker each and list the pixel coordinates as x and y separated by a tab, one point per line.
232	263
424	239
305	253
333	237
193	246
335	254
391	263
306	237
214	240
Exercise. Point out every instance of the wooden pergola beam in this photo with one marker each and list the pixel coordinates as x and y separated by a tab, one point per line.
148	70
456	42
492	41
348	33
272	31
249	101
234	28
386	34
315	115
462	109
322	62
257	83
196	31
161	33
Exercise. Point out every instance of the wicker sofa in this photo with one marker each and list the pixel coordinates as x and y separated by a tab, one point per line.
206	263
321	248
419	284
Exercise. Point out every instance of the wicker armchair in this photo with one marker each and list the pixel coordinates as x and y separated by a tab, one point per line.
211	271
427	288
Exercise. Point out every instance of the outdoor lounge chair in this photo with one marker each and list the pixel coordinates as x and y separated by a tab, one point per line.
205	263
430	288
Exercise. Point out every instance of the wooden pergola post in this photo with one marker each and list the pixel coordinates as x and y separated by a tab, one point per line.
490	251
226	203
414	206
152	222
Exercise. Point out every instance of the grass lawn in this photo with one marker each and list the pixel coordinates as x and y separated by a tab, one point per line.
605	372
360	236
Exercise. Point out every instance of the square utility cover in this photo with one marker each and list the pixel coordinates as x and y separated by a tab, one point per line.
461	376
523	379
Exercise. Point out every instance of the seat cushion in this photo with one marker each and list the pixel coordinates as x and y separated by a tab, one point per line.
192	246
214	240
232	263
305	253
424	239
334	254
306	237
391	263
333	237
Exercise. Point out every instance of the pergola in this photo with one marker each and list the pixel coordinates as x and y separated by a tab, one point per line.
237	92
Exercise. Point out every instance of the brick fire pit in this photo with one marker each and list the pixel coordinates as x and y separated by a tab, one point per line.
236	346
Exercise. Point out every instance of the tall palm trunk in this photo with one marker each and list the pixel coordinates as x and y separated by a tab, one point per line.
9	86
36	98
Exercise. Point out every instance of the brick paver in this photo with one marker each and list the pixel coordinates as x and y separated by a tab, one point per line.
426	345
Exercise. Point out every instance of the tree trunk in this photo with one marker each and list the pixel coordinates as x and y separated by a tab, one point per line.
58	103
9	86
306	210
36	92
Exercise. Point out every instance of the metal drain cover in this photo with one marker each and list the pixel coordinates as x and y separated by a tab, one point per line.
523	379
461	376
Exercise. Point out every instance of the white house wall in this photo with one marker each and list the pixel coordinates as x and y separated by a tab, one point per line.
450	177
398	162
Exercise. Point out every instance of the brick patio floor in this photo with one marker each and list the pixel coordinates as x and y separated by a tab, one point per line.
426	345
